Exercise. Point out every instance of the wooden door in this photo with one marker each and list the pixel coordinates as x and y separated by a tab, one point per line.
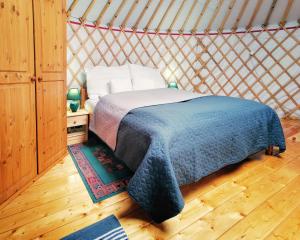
50	58
18	164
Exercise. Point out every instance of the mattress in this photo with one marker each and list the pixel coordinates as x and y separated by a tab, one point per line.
111	109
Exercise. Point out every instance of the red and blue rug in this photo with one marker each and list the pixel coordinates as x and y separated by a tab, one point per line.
102	174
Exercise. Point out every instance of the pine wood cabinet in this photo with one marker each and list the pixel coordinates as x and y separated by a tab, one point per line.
50	56
32	90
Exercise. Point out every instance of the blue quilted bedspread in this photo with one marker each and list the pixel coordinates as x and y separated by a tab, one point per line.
174	144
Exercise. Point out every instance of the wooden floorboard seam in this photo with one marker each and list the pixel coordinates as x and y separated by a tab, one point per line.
258	208
283	220
256	183
219	186
262	201
260	205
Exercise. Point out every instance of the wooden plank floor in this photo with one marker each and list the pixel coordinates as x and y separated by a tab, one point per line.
256	199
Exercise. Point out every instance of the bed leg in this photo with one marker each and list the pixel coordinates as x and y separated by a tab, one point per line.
269	150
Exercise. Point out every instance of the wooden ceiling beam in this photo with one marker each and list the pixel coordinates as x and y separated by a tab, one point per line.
255	11
195	27
137	22
87	11
266	22
116	14
215	13
164	16
227	15
152	16
71	8
176	16
131	10
239	17
101	14
187	18
286	12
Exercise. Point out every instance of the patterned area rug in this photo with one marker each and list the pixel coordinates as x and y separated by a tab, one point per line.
108	228
105	176
102	174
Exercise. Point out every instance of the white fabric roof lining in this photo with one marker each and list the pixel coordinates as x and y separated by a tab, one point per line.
275	17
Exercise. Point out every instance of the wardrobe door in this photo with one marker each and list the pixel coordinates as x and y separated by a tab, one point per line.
50	59
18	163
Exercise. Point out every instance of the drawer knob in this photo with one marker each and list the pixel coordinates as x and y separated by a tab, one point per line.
74	122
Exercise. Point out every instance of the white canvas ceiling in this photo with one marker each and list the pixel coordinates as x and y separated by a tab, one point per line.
184	15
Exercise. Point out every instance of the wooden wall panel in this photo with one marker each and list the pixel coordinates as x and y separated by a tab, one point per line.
50	41
18	164
241	64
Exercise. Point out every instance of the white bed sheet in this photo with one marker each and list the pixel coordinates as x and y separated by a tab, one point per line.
111	109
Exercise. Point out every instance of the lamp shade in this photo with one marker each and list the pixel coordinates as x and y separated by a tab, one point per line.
73	94
172	85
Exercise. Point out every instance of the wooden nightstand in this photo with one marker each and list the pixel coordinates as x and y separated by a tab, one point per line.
77	126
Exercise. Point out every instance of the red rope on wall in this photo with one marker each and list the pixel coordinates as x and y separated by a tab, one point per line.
181	34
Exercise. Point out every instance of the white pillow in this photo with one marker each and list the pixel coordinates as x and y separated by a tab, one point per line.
98	78
120	85
94	97
144	78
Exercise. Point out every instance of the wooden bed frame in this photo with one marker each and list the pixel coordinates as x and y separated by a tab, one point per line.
269	150
83	95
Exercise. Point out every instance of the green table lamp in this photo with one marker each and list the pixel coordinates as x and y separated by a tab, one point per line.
74	96
172	85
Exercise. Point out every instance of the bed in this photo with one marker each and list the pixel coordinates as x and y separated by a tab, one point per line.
170	138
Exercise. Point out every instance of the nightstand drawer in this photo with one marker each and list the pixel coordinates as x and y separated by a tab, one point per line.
77	120
77	137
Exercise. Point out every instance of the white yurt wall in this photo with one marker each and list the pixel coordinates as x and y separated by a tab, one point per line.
257	58
258	65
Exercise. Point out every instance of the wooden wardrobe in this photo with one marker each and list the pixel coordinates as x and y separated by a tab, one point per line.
32	90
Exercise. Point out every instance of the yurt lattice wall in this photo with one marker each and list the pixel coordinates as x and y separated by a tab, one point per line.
259	63
175	55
